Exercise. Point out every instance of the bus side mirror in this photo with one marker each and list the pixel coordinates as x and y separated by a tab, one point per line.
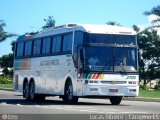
81	61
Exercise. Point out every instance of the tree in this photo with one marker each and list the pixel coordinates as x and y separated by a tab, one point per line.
149	58
6	61
136	28
4	35
50	22
113	23
154	11
13	45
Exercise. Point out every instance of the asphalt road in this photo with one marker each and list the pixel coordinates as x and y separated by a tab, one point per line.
13	103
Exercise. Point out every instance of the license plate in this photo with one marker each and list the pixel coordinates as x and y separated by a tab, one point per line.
113	90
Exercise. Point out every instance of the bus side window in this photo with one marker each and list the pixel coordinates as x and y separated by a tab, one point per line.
28	48
46	45
56	44
67	42
37	47
20	49
78	40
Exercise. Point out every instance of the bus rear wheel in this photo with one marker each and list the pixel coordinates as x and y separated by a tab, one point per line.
32	94
26	90
68	97
115	100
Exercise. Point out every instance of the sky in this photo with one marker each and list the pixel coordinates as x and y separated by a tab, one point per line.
23	16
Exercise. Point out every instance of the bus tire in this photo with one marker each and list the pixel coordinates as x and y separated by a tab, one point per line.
32	94
115	100
68	96
26	90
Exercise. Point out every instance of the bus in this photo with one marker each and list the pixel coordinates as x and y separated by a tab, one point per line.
75	61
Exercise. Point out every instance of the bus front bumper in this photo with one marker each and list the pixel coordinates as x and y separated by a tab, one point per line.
111	90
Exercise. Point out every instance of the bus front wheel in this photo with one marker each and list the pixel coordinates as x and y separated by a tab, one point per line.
115	100
68	97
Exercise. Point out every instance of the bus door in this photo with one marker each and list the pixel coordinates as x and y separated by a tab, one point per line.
80	60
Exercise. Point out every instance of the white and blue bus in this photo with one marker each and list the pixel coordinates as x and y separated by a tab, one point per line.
77	61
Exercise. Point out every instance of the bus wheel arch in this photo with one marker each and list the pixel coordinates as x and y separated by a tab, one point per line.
26	88
68	92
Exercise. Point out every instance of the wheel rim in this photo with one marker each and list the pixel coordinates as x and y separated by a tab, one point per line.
70	92
32	91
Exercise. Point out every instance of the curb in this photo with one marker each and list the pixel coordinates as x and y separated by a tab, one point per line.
141	99
7	89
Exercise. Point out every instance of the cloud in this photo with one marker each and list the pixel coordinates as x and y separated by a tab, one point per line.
142	27
151	18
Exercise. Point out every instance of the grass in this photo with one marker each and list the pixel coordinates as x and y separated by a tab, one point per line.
6	82
149	93
6	85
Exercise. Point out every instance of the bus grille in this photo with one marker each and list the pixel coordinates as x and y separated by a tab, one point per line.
113	82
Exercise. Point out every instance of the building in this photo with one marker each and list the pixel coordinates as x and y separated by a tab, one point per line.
151	83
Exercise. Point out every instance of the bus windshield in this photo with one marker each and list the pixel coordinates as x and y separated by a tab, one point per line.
110	39
103	58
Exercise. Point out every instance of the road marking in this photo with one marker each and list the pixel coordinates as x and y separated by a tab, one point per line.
37	105
18	104
3	103
60	108
83	110
88	109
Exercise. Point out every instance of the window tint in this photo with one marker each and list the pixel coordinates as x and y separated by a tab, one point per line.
97	59
67	43
46	45
110	39
28	48
37	47
56	44
20	48
78	37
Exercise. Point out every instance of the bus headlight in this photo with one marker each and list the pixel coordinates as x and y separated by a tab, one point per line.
132	90
93	81
90	81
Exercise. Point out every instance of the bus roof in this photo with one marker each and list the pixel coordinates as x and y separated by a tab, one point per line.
107	29
90	28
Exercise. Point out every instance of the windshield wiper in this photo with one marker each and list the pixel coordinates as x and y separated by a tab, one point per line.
120	64
123	69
